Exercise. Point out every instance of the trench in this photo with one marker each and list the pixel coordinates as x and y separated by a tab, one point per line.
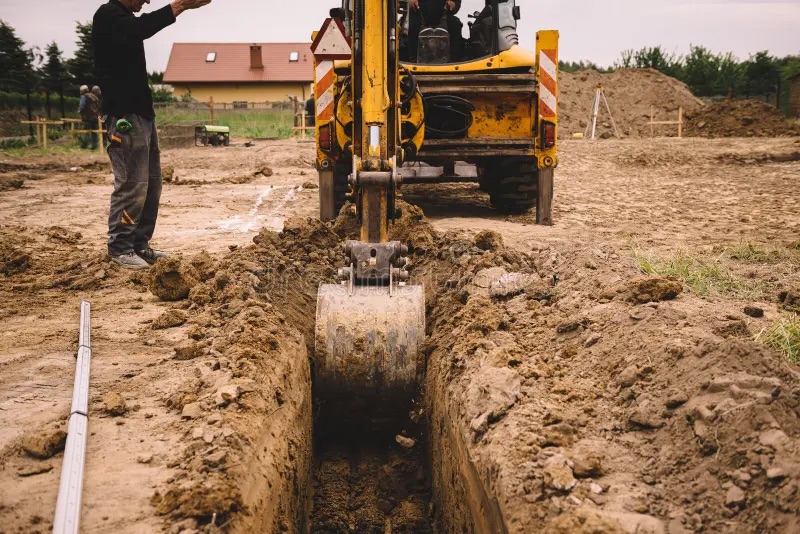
343	472
363	480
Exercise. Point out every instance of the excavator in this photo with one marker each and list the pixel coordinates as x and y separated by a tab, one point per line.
379	117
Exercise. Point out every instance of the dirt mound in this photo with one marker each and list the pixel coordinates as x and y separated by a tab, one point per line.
630	94
7	183
13	260
171	279
56	262
651	413
739	118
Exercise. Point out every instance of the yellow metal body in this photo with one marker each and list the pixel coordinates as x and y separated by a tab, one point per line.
497	115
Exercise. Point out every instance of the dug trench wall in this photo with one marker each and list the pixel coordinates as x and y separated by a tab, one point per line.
564	393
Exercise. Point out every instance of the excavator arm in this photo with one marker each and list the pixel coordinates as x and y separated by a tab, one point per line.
370	325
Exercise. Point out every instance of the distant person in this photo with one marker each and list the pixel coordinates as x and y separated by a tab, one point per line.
99	94
89	110
429	14
118	37
310	112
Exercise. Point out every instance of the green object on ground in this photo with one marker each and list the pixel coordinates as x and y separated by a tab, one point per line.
217	129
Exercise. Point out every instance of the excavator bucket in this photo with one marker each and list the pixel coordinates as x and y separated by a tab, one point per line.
367	344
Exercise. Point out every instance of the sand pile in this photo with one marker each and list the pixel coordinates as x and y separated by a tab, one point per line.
583	386
740	118
630	94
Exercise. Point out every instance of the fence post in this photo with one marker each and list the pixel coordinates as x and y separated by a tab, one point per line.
100	134
211	107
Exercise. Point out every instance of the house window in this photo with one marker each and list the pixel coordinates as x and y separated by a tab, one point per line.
294	56
211	57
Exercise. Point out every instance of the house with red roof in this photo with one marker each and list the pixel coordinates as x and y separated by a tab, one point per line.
241	72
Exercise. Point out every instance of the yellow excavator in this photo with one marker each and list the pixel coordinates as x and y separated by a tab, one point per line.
381	112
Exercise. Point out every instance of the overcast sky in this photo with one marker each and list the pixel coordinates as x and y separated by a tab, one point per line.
590	30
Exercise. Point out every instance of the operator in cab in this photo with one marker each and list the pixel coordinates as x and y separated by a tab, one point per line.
433	14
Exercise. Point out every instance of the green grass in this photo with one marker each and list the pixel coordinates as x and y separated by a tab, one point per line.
748	252
243	123
704	277
51	150
784	336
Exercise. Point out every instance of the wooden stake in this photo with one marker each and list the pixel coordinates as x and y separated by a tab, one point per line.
100	142
652	118
680	122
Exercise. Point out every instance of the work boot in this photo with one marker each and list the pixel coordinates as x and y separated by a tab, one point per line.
130	261
150	255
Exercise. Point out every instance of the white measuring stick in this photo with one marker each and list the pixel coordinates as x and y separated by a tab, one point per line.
68	507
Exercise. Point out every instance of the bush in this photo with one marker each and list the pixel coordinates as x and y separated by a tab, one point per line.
18	101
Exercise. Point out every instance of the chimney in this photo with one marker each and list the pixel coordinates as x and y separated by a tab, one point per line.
256	62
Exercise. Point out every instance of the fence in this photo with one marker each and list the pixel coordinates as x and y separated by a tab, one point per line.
176	120
255	120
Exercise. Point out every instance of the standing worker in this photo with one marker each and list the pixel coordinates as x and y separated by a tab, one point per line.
89	110
118	38
99	94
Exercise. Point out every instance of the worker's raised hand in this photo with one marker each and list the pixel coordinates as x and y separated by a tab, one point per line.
450	5
179	6
413	4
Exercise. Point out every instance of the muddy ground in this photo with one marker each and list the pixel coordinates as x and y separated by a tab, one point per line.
566	389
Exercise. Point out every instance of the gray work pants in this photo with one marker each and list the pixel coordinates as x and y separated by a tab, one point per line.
136	160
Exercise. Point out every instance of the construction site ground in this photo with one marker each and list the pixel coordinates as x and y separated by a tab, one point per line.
567	390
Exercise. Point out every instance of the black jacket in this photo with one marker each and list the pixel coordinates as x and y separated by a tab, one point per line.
118	38
432	11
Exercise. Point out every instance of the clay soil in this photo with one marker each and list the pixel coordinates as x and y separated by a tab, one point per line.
740	118
600	375
632	95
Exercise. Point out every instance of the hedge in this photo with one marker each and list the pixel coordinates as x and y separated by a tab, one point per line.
13	101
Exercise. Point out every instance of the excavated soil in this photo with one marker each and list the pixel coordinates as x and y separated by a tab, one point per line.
631	93
740	118
565	390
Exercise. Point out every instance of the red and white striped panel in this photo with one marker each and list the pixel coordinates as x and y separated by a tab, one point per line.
548	88
324	91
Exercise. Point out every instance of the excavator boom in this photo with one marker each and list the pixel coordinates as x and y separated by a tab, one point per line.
370	326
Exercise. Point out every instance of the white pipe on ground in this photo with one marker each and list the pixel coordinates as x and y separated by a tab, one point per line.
68	508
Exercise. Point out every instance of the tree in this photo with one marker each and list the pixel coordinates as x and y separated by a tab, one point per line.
656	58
54	76
626	60
762	74
572	66
16	67
700	70
81	67
156	77
730	77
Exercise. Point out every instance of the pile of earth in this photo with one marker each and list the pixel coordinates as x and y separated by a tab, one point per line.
589	398
55	259
592	399
631	93
739	118
247	413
